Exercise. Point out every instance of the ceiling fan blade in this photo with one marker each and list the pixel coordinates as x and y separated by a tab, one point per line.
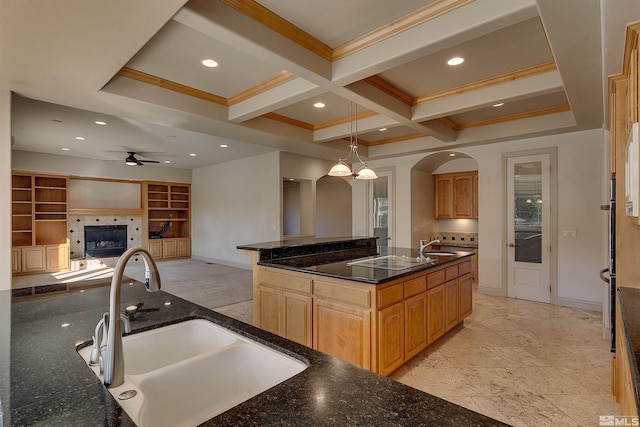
148	161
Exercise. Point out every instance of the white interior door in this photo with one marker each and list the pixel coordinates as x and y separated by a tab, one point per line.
529	220
381	204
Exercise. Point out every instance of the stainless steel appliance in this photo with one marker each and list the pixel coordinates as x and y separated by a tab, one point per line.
610	271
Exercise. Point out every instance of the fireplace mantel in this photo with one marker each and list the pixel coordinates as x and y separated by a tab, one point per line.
106	211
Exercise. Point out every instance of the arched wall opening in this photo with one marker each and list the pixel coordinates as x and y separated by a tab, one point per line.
424	224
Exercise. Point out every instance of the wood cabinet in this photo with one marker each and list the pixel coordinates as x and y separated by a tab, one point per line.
436	313
168	211
39	223
285	306
443	201
377	327
623	383
456	195
342	331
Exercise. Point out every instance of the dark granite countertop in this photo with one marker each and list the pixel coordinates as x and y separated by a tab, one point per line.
344	269
301	241
52	386
629	299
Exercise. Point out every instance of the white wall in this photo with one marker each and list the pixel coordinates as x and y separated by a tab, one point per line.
333	207
235	203
5	189
580	194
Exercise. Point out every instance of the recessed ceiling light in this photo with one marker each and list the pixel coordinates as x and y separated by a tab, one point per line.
319	105
167	161
382	129
100	122
192	154
223	145
209	63
80	138
455	61
452	154
65	149
499	104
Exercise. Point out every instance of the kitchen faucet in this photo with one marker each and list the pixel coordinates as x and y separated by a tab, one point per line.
424	245
113	356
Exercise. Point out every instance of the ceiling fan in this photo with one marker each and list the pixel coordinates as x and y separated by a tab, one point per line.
131	160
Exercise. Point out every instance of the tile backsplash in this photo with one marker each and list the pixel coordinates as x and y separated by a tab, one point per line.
450	238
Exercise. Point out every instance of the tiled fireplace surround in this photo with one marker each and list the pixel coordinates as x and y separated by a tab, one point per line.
76	234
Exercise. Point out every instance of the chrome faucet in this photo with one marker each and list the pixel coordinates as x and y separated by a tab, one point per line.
100	338
424	245
112	355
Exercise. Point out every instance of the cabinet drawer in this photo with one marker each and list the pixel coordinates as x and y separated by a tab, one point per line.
285	281
435	278
346	294
389	295
451	273
415	286
464	268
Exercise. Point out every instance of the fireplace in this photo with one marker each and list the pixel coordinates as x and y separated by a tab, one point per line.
105	240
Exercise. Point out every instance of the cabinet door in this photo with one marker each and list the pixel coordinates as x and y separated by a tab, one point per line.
270	308
443	186
169	248
435	313
391	338
415	326
463	196
343	332
57	257
465	296
16	260
451	312
183	248
155	248
33	259
297	318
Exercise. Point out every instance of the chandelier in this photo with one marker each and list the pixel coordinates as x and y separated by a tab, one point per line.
342	168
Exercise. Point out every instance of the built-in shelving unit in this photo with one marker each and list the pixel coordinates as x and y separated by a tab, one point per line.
169	219
39	223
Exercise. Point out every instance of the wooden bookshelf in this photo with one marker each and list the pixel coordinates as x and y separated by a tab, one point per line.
168	218
39	223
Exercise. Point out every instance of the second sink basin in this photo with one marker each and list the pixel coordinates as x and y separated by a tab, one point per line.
186	373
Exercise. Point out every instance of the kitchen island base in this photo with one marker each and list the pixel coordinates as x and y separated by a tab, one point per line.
378	327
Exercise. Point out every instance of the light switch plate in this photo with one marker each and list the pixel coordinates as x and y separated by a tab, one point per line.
569	234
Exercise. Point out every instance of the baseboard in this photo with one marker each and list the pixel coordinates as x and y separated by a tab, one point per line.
577	303
494	292
223	262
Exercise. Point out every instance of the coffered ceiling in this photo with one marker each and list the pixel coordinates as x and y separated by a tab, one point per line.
530	68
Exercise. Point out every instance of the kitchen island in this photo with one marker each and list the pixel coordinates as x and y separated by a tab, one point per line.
50	384
376	307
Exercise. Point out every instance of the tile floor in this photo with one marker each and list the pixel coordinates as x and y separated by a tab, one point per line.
523	363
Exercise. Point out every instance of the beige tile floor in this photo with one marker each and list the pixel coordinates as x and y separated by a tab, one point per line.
523	363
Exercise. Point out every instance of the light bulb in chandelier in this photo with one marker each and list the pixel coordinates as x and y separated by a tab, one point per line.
366	173
342	168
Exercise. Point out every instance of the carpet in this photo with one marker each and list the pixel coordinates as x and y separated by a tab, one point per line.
206	284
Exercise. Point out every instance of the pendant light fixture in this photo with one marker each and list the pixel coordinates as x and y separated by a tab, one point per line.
342	168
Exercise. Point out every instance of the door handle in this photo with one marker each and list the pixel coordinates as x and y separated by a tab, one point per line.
511	245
